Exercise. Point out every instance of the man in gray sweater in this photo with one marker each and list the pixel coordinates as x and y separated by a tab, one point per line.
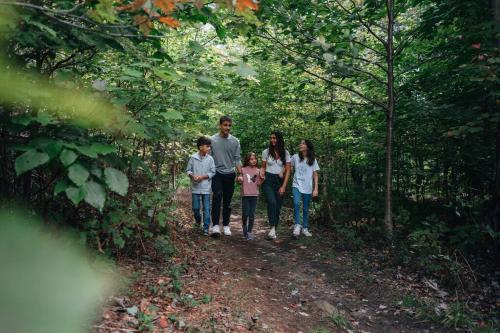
226	152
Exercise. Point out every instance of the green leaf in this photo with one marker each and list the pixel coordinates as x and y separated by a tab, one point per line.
116	180
87	151
132	72
95	195
78	174
328	57
22	120
96	171
244	70
195	96
44	118
207	80
166	74
75	194
103	149
195	46
118	240
30	160
43	27
61	186
172	115
67	157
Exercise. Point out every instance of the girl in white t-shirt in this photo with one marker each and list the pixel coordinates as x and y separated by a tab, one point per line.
304	186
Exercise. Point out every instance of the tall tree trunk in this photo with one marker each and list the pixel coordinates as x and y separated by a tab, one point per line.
389	115
495	6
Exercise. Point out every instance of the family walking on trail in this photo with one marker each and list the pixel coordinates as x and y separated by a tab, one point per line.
217	165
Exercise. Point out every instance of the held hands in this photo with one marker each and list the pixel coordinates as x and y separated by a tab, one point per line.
281	191
240	179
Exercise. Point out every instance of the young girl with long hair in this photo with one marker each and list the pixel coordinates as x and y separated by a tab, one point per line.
250	181
275	171
304	186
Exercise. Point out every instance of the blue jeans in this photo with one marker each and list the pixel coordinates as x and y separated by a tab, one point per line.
306	199
197	199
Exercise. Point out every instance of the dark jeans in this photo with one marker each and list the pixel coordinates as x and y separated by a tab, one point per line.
223	189
274	200
248	205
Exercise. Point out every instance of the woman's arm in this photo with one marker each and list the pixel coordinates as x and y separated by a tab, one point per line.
263	170
285	181
315	188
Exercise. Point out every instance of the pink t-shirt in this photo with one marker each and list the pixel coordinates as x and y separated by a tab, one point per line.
251	182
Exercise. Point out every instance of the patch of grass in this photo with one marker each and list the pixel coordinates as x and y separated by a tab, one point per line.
327	255
307	241
164	247
206	299
188	301
340	321
177	286
321	330
175	273
456	315
145	321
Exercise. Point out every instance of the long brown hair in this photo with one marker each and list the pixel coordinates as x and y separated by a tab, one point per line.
279	148
246	160
310	153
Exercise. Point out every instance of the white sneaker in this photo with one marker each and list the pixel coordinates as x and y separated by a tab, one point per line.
296	230
216	230
272	233
306	233
227	231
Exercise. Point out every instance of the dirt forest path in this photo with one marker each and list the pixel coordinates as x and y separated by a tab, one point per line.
232	285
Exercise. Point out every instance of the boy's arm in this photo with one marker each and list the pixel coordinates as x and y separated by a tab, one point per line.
237	158
189	168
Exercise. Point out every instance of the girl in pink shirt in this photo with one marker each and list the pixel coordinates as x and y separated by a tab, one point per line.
250	181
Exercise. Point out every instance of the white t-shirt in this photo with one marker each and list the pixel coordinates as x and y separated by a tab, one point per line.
273	166
303	175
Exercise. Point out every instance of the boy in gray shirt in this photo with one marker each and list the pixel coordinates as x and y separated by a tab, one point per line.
201	170
226	152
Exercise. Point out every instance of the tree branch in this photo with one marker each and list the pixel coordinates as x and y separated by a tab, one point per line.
357	93
363	23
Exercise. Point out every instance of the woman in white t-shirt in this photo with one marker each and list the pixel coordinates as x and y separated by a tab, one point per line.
275	171
304	186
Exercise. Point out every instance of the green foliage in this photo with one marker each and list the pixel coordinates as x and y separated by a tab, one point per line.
36	266
206	299
29	160
164	247
146	321
456	315
188	301
340	321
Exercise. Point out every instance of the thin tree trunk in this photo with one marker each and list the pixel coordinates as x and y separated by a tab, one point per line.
495	6
390	113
